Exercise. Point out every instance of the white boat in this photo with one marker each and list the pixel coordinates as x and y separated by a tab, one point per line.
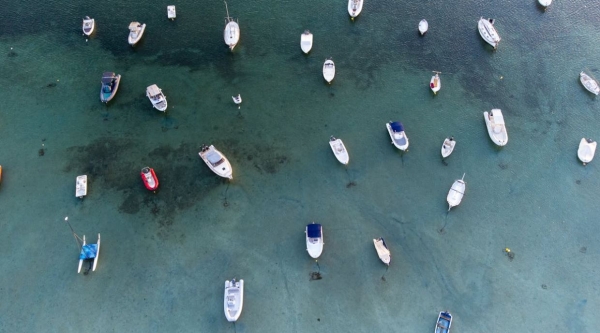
456	193
399	138
354	8
156	97
435	83
339	150
314	239
545	3
232	31
488	32
328	70
589	83
216	161
233	301
382	250
136	31
88	25
494	122
423	26
88	252
586	151
171	13
81	186
237	100
448	146
306	41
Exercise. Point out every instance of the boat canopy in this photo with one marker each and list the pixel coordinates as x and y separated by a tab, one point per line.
397	126
108	77
213	157
498	118
134	25
313	230
88	251
153	90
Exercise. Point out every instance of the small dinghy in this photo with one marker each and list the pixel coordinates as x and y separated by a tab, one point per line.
339	150
149	178
590	84
216	161
156	97
306	41
382	250
448	146
89	252
456	193
234	299
232	31
136	31
171	13
423	26
399	138
488	32
314	239
436	83
237	100
88	25
443	323
354	8
110	84
494	122
328	70
545	3
81	186
586	151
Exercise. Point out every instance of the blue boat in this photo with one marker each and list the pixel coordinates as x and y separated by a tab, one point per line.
399	138
110	85
314	240
443	323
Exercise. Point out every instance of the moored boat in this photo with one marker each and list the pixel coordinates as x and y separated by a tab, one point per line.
382	250
339	150
423	26
88	25
435	83
456	193
233	301
136	31
328	70
589	83
314	239
156	97
448	146
231	34
81	186
89	252
354	8
237	100
443	322
586	151
110	84
488	32
399	138
494	121
216	161
149	178
306	41
545	3
171	12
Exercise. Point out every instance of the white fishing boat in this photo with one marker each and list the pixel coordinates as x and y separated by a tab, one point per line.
354	8
89	252
339	150
232	31
171	12
382	250
586	151
88	25
81	186
328	70
448	146
136	31
314	239
306	41
589	83
423	26
456	193
435	83
545	3
156	97
233	301
399	138
216	161
494	122
488	32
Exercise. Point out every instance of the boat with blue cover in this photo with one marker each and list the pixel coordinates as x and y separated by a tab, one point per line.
443	323
399	138
314	239
110	85
89	252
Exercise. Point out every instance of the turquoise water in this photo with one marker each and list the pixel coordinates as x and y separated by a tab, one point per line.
165	256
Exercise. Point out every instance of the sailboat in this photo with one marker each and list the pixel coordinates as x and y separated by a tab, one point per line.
456	193
436	83
232	30
488	32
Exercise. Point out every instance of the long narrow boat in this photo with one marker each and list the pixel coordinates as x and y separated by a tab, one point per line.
0	174
589	83
443	323
488	32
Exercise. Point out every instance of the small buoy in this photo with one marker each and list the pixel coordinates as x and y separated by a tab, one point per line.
11	48
501	77
42	144
57	80
86	40
507	250
66	218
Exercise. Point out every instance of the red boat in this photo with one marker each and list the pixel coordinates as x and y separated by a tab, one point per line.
149	178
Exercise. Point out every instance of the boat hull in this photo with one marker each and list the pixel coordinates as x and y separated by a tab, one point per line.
423	27
306	41
329	70
456	193
383	252
488	32
354	8
496	132
231	34
339	150
233	300
589	84
448	147
586	151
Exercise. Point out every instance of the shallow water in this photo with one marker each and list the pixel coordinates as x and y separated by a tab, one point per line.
165	256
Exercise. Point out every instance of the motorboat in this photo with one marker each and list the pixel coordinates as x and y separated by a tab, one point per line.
89	252
81	186
399	138
339	150
110	84
382	250
328	70
149	178
232	31
545	3
237	100
443	322
314	239
354	8
488	32
233	301
586	151
448	146
136	31
494	122
306	41
423	26
436	83
156	97
88	25
171	13
456	193
589	83
216	161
